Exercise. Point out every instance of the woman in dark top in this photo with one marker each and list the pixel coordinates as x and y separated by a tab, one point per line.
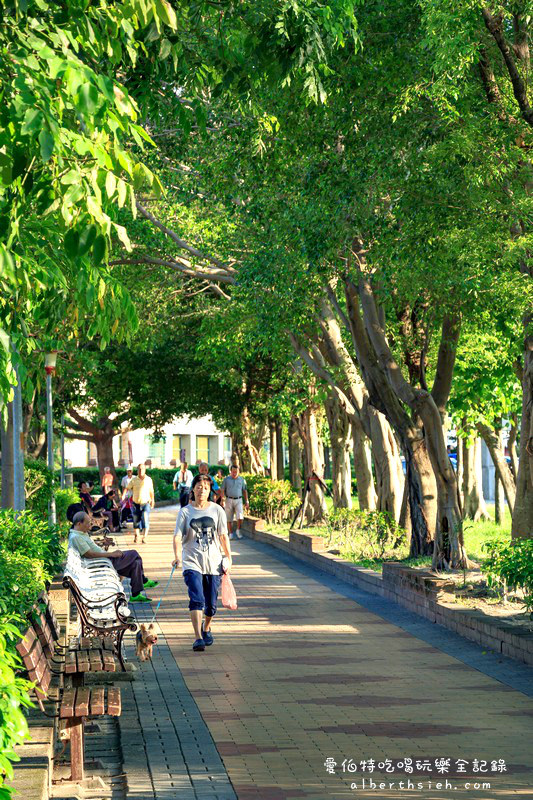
108	506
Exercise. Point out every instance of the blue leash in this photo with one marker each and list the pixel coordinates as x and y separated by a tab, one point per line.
164	592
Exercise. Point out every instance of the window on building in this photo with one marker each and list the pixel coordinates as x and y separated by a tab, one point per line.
155	448
227	446
202	448
176	447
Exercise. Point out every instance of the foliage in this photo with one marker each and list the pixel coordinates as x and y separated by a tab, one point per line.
271	500
366	534
163	474
26	534
65	498
22	579
38	486
511	563
14	695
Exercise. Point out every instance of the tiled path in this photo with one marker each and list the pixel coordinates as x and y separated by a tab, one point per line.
301	673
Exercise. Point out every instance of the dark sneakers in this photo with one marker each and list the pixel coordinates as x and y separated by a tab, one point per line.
199	645
208	638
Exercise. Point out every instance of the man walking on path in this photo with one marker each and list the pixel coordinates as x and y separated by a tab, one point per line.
200	542
142	488
128	564
234	491
182	481
124	483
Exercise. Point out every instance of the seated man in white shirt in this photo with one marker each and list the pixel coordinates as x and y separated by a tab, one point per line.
128	564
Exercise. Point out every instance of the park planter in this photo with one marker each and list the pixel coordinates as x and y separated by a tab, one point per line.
420	591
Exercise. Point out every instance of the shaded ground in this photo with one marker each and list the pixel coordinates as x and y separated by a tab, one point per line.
301	673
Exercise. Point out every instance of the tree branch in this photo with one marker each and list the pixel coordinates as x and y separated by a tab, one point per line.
495	27
84	424
183	244
451	328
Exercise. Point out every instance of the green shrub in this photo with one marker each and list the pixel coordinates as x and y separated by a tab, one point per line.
38	486
366	534
165	474
25	534
272	500
14	695
163	490
511	563
22	579
64	499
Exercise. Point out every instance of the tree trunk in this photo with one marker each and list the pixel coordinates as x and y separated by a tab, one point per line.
273	450
387	466
473	501
422	494
511	445
316	506
523	509
460	462
362	465
499	500
493	441
295	457
339	432
247	452
8	464
280	461
104	451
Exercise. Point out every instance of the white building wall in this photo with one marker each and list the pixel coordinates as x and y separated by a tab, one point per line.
189	429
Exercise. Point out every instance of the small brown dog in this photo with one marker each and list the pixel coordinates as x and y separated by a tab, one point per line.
146	638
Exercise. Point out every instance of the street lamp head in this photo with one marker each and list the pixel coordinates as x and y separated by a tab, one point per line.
50	362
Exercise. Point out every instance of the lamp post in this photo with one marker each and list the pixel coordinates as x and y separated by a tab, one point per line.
50	368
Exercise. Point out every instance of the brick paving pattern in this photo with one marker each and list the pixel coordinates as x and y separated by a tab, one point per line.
302	672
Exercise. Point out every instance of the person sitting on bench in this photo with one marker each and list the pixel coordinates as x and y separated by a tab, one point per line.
128	564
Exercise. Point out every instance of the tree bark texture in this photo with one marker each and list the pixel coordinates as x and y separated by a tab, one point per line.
492	439
522	527
474	506
273	430
316	510
295	457
244	447
280	461
340	438
387	466
362	464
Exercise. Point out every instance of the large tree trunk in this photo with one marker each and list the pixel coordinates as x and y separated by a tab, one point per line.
8	462
273	449
493	441
523	509
473	501
387	466
316	510
104	451
339	433
362	465
247	452
511	445
280	461
295	457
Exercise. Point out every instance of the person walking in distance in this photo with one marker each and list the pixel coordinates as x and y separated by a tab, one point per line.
125	492
234	491
142	489
182	482
107	480
202	548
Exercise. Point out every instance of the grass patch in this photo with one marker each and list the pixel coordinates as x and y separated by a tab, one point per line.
475	536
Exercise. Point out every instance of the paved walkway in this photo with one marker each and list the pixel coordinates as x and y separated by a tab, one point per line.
301	673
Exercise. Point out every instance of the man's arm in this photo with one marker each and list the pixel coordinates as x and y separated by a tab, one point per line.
98	554
245	498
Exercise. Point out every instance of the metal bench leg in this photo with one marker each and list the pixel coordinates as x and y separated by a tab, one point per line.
76	749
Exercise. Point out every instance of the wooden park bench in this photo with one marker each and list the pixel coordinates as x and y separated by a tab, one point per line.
100	599
72	703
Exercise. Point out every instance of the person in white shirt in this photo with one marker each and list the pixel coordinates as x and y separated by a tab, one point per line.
200	544
234	492
182	483
124	483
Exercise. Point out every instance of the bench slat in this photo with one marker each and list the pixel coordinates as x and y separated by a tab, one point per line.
114	702
71	663
95	657
84	665
97	702
25	645
67	703
81	706
110	662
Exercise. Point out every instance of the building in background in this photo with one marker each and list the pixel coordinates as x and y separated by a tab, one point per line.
182	439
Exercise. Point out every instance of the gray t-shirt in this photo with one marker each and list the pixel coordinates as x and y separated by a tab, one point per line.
234	487
201	529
